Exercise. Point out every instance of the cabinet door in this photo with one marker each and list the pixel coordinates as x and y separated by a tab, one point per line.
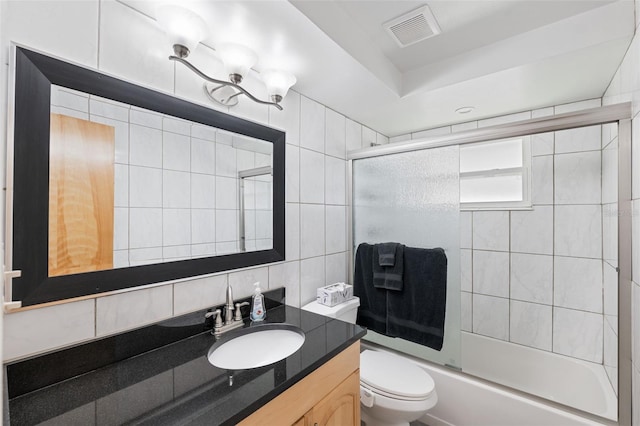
341	407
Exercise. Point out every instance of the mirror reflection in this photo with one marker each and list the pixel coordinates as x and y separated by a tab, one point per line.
130	187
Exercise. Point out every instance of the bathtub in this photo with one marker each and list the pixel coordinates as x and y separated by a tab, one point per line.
465	400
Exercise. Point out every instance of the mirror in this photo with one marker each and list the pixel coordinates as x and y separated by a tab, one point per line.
116	185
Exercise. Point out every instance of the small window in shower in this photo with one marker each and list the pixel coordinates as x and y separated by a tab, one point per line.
495	174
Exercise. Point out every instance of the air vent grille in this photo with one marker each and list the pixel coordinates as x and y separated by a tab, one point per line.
412	27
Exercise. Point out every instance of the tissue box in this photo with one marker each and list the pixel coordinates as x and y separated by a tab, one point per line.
334	294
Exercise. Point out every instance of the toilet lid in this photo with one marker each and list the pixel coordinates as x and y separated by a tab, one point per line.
394	376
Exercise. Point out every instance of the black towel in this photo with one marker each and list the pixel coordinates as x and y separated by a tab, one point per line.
387	254
417	313
372	312
389	275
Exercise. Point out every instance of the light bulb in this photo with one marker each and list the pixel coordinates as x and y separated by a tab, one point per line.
278	83
237	60
184	28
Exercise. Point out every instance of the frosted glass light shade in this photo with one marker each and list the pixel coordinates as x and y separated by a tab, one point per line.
183	26
277	82
237	59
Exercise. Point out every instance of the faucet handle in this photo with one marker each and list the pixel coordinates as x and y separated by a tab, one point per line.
218	318
238	314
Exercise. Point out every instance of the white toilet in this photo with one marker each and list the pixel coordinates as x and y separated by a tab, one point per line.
393	391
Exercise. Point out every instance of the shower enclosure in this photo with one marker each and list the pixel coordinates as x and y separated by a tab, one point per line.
538	249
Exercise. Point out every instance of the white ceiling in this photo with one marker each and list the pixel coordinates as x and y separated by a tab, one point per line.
499	56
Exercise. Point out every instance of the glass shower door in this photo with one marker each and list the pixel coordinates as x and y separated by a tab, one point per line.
413	198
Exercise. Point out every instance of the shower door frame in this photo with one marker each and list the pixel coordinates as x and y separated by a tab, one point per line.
618	113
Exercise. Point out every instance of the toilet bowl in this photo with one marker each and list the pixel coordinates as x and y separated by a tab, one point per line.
393	390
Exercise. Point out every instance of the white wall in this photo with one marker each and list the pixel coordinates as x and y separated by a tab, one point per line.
118	40
625	87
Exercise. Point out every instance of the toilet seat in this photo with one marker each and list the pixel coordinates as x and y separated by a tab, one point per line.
394	377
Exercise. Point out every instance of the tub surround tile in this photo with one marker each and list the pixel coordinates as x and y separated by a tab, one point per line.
491	230
466	317
532	278
312	125
635	315
335	229
578	178
610	173
289	118
43	329
353	135
336	268
542	180
578	140
578	231
542	144
335	134
610	346
311	177
578	283
335	181
466	270
292	174
491	273
610	233
491	316
578	334
531	324
466	226
532	231
312	230
132	309
610	290
312	277
292	231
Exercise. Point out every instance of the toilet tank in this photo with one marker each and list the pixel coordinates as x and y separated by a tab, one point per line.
346	311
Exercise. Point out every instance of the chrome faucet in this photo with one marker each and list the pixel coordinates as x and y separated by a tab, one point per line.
231	319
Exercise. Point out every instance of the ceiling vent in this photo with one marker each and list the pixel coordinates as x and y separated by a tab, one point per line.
412	27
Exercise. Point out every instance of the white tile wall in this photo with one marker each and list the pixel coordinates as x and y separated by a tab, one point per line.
312	230
578	283
491	273
335	229
542	180
491	316
532	231
311	176
578	140
531	324
335	138
491	230
532	278
578	178
189	296
578	231
312	125
578	334
312	276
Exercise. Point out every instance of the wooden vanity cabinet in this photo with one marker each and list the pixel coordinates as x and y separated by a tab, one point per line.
329	396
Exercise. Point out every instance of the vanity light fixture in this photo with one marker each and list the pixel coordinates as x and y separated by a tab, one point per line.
186	29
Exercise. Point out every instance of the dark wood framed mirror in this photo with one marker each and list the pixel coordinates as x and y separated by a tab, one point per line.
45	201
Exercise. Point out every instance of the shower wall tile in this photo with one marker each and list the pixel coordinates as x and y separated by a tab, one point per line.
335	137
292	183
466	226
466	318
532	278
353	135
532	231
635	309
610	346
542	180
610	284
335	181
491	230
610	173
578	283
578	140
542	144
335	229
312	230
578	334
466	271
336	268
531	324
491	273
292	231
312	277
578	178
311	177
610	233
312	124
577	106
491	316
578	231
504	119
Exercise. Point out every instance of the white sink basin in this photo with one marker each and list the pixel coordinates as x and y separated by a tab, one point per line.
256	346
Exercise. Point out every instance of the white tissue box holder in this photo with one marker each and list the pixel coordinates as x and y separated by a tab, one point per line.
334	294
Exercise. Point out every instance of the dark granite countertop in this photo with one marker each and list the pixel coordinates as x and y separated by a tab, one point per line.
160	375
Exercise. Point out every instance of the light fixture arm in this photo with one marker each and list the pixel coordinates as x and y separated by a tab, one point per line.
222	82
